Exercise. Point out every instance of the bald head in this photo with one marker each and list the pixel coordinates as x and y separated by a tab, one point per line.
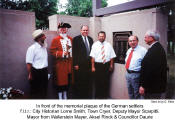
133	41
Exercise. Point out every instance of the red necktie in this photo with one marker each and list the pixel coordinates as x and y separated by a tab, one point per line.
129	59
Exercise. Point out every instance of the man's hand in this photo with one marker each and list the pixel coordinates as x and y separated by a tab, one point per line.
76	67
111	68
93	69
30	76
141	90
29	69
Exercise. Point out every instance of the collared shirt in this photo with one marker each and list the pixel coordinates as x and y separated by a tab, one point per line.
138	54
64	42
37	56
96	51
86	39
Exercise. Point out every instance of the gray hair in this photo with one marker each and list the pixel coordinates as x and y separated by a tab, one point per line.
154	34
84	26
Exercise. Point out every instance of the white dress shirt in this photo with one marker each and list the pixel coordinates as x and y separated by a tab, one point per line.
96	51
138	54
86	39
37	56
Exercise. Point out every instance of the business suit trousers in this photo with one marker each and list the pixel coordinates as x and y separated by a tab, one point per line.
132	80
82	88
102	80
39	83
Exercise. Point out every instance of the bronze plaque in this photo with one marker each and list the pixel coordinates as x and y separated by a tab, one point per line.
120	44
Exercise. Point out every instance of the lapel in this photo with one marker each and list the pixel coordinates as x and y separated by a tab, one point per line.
82	43
90	44
150	52
153	47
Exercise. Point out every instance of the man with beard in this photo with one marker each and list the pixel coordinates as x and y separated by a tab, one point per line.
37	63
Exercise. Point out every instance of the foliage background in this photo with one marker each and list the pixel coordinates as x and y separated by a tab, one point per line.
45	8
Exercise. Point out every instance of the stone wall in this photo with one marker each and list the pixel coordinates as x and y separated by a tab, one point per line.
76	23
1	45
16	36
138	22
16	29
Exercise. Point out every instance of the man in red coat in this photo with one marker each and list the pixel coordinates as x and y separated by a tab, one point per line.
61	49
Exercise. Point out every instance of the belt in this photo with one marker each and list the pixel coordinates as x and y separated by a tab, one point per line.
132	71
40	68
102	63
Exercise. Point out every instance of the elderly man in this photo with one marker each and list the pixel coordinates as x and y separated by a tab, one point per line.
154	66
81	64
133	60
61	49
102	64
37	63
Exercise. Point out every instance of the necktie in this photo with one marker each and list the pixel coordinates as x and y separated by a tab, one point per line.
86	44
129	59
103	54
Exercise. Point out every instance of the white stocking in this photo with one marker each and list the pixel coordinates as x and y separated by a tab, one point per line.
60	95
64	95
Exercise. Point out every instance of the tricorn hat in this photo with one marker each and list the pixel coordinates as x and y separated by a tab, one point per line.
64	25
37	33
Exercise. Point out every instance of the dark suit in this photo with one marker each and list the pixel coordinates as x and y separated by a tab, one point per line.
153	71
82	82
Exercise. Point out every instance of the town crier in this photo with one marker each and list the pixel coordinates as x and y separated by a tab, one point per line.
61	50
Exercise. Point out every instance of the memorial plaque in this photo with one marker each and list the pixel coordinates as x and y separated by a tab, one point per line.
120	44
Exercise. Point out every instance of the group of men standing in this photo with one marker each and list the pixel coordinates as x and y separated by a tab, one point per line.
146	70
77	61
82	63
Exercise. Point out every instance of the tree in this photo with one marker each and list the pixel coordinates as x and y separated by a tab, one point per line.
42	8
81	8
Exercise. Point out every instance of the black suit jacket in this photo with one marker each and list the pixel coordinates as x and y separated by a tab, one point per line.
154	70
79	51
